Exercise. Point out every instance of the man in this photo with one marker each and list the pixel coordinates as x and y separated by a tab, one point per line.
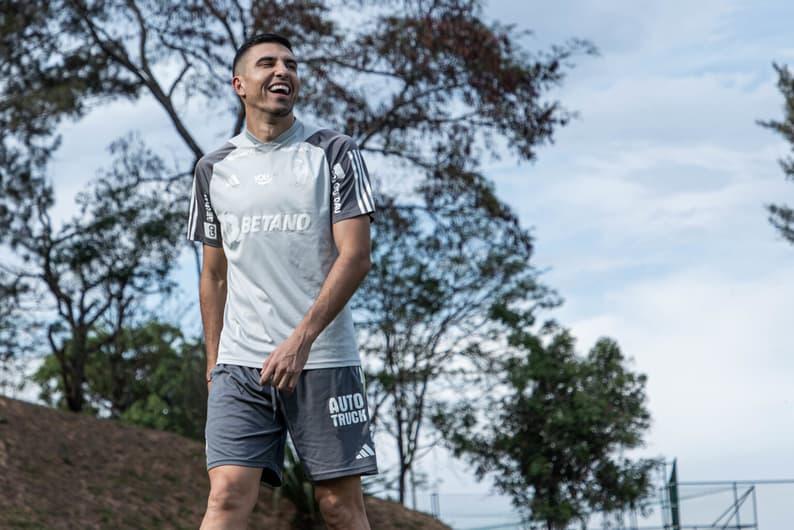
283	211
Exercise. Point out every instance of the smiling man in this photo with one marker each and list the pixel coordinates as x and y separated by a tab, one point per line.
283	211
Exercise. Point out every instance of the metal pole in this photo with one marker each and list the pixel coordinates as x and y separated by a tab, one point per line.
736	507
755	510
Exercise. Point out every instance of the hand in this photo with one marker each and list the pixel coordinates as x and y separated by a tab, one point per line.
284	364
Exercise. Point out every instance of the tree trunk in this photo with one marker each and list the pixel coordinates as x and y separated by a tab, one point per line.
73	370
73	387
403	472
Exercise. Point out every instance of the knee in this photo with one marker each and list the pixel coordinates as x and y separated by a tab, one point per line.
337	512
227	495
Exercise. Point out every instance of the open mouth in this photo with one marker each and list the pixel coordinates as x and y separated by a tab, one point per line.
280	88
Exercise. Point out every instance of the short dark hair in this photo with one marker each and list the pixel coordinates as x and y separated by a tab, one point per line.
259	39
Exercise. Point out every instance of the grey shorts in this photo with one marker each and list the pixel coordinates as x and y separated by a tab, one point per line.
327	418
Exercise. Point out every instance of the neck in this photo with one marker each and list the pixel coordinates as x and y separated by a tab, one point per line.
267	127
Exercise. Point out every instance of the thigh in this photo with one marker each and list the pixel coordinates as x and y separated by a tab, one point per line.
328	419
243	427
235	481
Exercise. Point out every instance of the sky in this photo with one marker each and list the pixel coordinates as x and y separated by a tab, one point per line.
648	214
648	211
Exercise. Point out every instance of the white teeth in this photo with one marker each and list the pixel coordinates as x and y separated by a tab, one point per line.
281	88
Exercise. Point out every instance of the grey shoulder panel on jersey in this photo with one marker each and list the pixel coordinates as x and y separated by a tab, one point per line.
332	142
203	224
213	157
351	188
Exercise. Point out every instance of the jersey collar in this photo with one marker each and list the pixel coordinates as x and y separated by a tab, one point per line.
279	140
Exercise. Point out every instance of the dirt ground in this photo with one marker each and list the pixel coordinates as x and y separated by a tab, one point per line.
66	470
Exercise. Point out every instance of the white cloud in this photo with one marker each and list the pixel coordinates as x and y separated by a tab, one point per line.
716	351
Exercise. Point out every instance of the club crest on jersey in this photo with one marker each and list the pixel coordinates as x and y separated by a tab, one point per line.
230	227
264	178
300	170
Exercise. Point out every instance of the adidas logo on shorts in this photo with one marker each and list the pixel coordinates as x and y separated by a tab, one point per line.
366	452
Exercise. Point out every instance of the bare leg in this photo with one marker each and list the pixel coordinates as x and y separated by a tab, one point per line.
233	494
342	503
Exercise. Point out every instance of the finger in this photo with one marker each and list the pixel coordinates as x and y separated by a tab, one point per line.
293	382
267	371
280	378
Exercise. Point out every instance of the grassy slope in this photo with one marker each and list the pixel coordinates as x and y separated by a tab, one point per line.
64	470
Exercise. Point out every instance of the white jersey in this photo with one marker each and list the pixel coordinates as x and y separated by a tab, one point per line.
270	206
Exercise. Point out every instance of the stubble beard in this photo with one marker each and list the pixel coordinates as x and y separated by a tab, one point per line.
276	111
281	113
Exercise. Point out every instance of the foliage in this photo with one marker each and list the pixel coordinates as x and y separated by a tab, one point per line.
96	270
150	375
298	488
437	275
12	336
438	92
780	215
556	429
427	87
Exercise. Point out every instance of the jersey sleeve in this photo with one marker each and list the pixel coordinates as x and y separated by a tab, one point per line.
203	224
351	188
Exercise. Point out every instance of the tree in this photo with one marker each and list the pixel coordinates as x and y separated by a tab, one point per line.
12	336
96	270
425	87
62	57
149	375
780	215
556	430
438	272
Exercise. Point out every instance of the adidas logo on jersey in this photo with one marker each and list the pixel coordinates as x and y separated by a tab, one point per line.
366	452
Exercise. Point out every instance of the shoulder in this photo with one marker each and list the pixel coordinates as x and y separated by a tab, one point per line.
332	142
206	162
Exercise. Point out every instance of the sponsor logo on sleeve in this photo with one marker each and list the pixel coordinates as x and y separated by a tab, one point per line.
336	197
210	231
336	185
208	215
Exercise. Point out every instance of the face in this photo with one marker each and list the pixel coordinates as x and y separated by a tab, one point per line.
267	79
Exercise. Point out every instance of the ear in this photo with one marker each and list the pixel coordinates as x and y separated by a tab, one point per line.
237	85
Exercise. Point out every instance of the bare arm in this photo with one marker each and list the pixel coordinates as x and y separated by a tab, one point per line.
212	299
352	240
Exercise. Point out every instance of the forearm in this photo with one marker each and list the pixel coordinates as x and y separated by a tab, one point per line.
343	279
212	299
